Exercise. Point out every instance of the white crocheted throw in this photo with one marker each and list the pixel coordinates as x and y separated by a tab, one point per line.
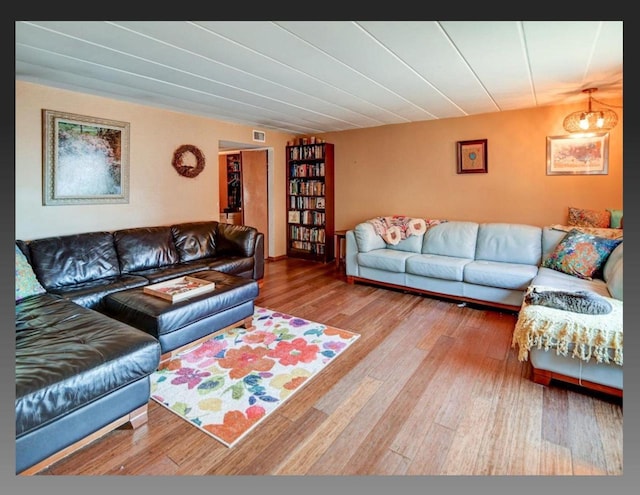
584	336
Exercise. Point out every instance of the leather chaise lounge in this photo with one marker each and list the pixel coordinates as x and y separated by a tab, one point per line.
77	372
82	371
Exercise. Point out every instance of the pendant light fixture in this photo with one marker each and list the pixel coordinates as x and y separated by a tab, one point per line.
591	120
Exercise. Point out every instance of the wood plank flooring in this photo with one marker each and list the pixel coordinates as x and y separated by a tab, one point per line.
430	388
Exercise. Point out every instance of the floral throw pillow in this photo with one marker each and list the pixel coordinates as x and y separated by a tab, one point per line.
579	217
581	255
26	282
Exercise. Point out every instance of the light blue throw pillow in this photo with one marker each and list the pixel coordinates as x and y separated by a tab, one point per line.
26	282
616	218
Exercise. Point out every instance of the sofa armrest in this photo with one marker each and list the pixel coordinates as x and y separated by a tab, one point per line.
613	272
243	241
258	265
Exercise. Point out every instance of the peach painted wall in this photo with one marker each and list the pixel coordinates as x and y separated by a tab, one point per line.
158	194
410	169
407	169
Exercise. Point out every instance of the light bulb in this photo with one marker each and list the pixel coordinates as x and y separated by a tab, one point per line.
584	121
600	121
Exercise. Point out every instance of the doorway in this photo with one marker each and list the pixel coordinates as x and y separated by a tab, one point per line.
256	165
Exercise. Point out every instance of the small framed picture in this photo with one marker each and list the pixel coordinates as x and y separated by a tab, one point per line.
320	203
294	216
472	157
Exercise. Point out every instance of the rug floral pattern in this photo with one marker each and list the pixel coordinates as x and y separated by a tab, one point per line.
230	383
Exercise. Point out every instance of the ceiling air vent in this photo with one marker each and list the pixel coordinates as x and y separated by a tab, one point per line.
258	136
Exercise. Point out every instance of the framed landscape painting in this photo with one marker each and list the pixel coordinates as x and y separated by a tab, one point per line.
85	159
582	154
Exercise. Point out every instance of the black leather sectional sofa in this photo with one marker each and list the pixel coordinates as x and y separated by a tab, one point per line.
79	370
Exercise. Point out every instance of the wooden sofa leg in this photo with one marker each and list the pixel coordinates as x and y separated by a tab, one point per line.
543	377
247	323
138	417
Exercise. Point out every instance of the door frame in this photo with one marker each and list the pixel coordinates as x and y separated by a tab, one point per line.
225	147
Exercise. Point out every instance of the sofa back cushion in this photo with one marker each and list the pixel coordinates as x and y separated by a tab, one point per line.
73	259
452	238
551	237
509	243
195	240
367	239
142	248
412	244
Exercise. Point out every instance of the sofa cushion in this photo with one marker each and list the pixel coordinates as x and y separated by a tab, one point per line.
453	238
412	244
552	278
389	260
89	294
509	243
160	274
516	276
581	254
142	248
436	266
195	240
237	265
367	239
26	282
73	259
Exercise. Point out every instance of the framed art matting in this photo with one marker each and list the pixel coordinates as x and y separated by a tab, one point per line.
472	157
85	159
581	154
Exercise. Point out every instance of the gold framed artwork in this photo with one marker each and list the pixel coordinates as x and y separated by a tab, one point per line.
472	157
582	154
85	159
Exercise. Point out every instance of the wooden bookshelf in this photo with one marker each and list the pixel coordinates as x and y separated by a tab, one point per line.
310	201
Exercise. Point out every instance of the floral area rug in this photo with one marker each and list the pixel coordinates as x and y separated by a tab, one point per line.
227	385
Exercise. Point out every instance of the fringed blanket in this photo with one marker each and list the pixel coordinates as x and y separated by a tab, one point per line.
585	336
396	228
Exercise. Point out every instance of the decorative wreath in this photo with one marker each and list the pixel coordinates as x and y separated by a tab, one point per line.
184	168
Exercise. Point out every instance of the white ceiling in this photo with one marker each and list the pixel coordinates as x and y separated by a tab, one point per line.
307	77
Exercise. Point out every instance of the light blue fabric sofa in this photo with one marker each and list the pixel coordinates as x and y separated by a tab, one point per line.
485	263
489	263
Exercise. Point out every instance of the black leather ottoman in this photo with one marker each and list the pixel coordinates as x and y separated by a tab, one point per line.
177	324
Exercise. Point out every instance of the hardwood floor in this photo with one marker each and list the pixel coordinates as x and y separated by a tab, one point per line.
430	388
